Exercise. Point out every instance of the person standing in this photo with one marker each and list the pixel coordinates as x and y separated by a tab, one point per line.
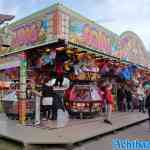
147	104
141	97
57	104
128	94
109	100
46	99
120	97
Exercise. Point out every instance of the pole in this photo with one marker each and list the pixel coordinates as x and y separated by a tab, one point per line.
22	96
37	110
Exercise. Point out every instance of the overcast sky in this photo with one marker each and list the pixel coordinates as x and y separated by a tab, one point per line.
116	15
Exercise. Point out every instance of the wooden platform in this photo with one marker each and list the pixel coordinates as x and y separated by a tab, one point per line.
74	132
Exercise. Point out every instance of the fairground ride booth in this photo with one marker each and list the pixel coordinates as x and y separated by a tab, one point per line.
56	34
5	43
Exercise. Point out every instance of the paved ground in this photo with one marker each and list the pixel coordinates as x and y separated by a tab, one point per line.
75	130
140	131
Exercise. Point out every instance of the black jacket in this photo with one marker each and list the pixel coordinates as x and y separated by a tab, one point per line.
120	94
57	102
46	91
128	95
147	104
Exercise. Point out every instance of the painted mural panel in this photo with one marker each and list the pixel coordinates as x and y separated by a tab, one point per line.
123	46
131	48
37	31
10	61
92	36
30	34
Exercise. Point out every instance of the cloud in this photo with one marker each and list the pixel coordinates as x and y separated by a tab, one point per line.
9	7
37	1
120	10
130	11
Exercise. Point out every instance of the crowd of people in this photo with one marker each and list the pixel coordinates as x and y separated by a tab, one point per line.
128	98
76	65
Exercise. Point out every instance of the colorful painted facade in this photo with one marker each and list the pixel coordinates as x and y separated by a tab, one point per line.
131	48
59	22
34	32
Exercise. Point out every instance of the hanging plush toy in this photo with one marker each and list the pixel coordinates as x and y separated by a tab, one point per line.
128	72
125	74
39	63
59	73
104	69
61	56
67	65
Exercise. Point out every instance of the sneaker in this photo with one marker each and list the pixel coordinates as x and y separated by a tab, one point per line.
107	121
37	123
44	119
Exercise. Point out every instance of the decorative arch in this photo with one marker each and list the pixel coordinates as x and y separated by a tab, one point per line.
131	48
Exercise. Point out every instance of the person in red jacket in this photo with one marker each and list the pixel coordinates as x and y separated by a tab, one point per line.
109	100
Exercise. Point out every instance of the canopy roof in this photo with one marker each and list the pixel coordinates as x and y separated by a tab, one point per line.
4	18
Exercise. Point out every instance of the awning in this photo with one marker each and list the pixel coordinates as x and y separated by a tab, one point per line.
10	64
4	18
99	54
45	44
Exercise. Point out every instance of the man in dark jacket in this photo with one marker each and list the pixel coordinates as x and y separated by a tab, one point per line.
47	91
147	104
57	104
128	96
120	97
